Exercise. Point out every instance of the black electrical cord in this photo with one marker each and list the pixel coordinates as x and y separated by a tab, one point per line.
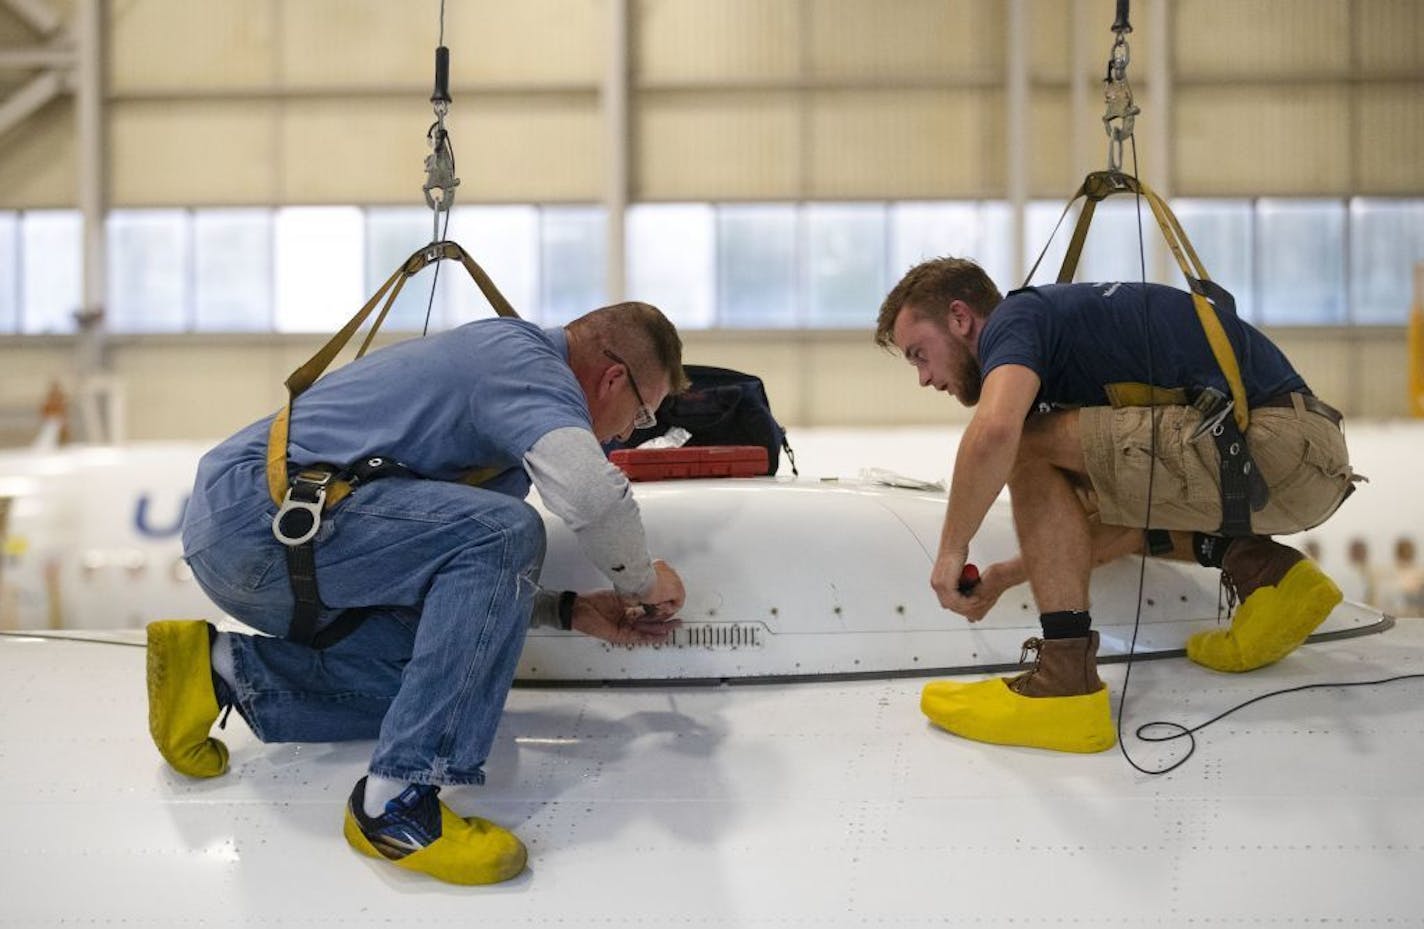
1151	477
1180	731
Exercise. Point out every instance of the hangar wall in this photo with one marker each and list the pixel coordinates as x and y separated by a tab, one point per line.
274	103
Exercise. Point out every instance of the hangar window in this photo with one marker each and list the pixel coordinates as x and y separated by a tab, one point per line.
391	234
1221	232
9	280
1112	252
1386	240
757	266
1300	247
920	230
573	262
318	252
1038	225
148	267
846	263
671	263
503	239
232	270
51	270
736	265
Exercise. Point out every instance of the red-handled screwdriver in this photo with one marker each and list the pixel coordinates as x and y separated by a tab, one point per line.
968	579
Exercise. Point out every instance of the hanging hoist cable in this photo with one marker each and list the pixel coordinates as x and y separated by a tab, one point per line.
440	179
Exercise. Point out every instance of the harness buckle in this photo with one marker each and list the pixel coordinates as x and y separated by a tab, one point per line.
299	517
1214	407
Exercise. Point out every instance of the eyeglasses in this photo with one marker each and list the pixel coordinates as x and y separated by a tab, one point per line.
646	418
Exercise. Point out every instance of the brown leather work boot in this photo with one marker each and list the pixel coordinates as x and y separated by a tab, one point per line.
1256	561
1060	704
1062	668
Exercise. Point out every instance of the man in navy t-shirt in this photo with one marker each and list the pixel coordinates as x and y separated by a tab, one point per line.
432	581
1069	382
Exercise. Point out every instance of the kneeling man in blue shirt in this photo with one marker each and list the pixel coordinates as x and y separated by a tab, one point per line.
432	581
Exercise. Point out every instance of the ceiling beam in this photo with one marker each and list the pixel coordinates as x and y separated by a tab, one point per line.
39	56
39	90
37	14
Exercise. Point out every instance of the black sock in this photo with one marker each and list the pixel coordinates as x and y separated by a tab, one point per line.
1209	549
1065	624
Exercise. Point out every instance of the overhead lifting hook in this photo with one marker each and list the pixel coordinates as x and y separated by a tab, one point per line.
440	179
1117	92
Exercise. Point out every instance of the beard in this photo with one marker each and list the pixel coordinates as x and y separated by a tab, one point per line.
971	380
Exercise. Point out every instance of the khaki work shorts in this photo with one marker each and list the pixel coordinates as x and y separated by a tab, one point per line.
1301	455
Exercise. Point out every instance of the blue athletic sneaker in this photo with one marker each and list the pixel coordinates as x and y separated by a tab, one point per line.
419	833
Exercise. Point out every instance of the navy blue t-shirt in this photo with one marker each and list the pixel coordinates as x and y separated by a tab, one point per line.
1079	337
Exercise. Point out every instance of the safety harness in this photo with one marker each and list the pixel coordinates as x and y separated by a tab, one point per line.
304	495
1224	417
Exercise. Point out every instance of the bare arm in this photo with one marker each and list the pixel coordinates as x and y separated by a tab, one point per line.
981	469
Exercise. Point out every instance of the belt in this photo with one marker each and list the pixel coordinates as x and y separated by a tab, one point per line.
1311	403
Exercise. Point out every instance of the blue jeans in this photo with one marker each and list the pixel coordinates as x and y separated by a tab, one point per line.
445	574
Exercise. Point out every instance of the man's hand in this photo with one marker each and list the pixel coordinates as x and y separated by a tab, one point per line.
667	595
944	578
996	579
604	615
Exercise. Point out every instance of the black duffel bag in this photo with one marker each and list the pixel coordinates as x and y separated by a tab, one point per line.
722	407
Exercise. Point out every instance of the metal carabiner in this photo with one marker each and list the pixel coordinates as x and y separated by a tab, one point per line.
440	170
1117	94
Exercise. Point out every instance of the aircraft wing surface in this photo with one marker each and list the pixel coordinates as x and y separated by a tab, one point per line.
819	804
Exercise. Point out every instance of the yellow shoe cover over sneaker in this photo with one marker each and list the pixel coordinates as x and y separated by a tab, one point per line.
419	833
1270	623
988	711
182	705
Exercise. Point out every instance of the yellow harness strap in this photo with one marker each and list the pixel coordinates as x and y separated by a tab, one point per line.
1101	184
307	374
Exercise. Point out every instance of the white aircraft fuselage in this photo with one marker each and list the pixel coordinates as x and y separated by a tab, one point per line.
786	577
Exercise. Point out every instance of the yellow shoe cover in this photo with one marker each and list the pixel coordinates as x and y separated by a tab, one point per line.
989	711
182	706
469	851
1270	623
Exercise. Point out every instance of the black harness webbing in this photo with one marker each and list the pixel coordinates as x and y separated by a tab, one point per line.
296	526
1243	489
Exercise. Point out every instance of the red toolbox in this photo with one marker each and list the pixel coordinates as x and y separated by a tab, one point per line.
662	464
